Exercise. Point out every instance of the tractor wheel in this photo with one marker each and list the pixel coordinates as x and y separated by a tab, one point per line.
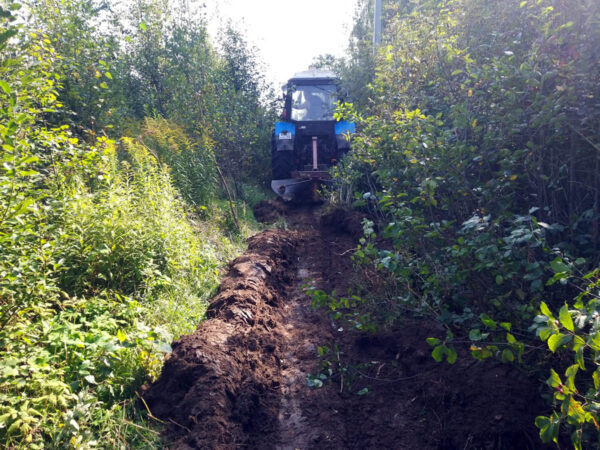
282	164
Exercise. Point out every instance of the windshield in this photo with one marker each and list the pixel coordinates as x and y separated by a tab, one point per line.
313	102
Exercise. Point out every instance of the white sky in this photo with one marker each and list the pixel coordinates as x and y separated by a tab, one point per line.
289	34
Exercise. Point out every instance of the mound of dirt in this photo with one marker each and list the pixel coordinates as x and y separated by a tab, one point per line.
220	381
240	380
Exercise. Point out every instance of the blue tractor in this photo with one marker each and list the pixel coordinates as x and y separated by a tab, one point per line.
308	140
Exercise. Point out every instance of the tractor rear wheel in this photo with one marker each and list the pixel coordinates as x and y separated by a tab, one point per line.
282	164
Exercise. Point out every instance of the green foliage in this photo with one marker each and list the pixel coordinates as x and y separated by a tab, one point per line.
85	56
27	92
169	62
477	160
442	350
577	332
326	367
123	63
102	260
245	113
458	154
333	368
192	162
123	272
344	310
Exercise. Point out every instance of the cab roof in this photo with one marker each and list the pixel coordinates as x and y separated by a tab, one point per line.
313	75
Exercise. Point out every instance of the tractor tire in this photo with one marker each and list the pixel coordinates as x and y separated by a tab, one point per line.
282	164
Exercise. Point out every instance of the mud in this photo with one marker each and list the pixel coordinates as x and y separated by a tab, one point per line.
269	211
240	381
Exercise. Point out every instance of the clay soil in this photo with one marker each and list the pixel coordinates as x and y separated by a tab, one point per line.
240	381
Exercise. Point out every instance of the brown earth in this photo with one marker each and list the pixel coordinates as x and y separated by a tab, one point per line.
240	381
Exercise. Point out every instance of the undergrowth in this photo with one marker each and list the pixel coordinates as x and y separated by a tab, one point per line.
124	273
107	254
476	159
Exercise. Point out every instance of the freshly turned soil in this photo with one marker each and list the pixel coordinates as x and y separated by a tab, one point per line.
240	380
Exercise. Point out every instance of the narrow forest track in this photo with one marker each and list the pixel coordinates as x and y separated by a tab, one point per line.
240	380
307	417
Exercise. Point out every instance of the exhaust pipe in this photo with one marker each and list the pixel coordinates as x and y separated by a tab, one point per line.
315	155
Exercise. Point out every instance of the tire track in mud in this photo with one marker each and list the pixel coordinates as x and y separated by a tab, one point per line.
310	418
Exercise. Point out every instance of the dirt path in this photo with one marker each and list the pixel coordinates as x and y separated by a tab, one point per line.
306	417
240	381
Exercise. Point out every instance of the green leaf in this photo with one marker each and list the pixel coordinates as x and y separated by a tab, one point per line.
499	279
29	160
576	411
536	285
103	85
578	342
5	87
433	341
6	35
545	333
314	382
363	391
505	325
554	380
558	340
510	338
4	418
558	266
565	318
488	321
164	347
438	353
572	370
507	355
576	440
121	335
108	75
596	378
476	335
142	26
23	207
451	355
579	359
14	428
545	310
594	341
548	428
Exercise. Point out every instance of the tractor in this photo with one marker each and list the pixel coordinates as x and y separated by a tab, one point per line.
308	140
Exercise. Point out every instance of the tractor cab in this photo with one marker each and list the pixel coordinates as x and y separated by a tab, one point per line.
311	99
308	140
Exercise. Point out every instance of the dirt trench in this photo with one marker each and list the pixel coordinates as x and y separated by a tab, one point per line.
240	380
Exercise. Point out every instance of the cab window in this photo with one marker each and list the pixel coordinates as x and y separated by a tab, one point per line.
313	102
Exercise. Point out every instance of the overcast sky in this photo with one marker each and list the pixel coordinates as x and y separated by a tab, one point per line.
288	33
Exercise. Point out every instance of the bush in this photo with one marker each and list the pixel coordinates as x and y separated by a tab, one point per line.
476	159
100	267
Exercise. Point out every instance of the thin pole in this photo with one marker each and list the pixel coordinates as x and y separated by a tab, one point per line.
315	157
377	26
